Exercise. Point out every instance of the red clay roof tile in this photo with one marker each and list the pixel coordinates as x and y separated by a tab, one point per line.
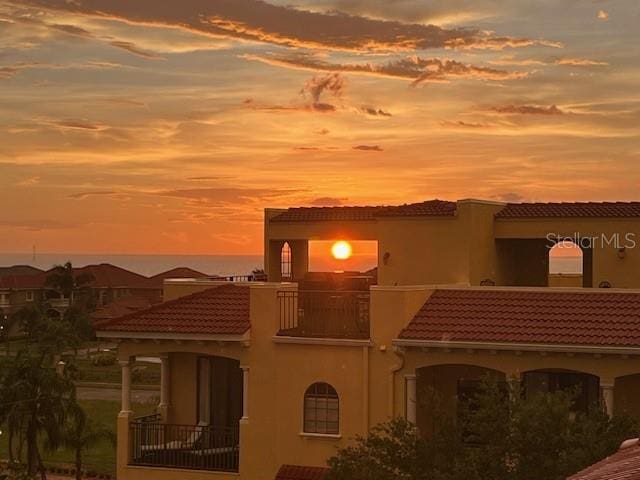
622	465
318	214
222	310
516	316
299	472
574	209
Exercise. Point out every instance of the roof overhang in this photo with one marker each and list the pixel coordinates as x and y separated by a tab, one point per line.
521	347
168	336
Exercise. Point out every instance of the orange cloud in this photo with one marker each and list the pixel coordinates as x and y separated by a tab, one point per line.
257	20
413	68
528	110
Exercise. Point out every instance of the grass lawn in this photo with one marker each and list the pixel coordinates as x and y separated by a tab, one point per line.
143	373
101	458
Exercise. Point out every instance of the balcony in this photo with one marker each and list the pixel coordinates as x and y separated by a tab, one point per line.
324	314
194	447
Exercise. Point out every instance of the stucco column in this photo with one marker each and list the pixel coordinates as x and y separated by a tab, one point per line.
606	392
245	394
125	365
410	392
163	406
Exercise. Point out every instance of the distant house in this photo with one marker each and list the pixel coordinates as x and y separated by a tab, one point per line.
112	291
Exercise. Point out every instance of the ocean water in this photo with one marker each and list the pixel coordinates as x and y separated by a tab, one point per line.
143	264
217	264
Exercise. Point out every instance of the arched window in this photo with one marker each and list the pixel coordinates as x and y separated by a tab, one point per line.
321	409
285	262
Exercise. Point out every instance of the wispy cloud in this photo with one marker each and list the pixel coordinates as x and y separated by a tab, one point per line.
368	148
93	193
414	68
528	110
260	21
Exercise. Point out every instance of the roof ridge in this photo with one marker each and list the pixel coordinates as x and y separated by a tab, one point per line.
174	301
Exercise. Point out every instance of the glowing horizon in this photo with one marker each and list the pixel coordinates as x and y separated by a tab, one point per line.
131	129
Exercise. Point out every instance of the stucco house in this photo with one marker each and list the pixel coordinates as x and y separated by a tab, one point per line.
263	380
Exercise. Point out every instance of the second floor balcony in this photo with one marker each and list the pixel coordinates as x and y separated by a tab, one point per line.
324	314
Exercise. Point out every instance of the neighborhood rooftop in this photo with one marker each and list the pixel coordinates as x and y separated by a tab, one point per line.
442	208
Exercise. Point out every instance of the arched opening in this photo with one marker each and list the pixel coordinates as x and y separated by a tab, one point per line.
440	390
286	271
583	386
626	394
321	409
566	264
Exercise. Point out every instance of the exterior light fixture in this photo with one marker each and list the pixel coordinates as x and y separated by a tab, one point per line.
604	284
622	252
487	282
386	257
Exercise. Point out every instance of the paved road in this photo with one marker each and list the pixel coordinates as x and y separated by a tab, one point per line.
137	396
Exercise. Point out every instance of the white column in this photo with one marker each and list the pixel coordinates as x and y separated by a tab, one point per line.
165	381
410	395
606	390
126	384
245	393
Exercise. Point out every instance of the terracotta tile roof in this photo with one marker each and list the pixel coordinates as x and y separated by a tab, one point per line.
106	275
519	316
23	282
575	209
622	465
319	214
121	307
222	310
19	270
299	472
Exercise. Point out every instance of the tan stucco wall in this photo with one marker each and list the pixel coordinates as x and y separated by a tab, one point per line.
369	378
470	247
565	280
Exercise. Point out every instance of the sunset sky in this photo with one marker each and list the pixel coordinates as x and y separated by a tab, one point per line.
147	126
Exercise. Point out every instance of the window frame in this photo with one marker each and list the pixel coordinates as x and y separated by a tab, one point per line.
324	426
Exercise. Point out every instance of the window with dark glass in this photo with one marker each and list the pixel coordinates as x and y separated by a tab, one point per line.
321	409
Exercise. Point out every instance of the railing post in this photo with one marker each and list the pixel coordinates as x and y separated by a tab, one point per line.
163	406
245	393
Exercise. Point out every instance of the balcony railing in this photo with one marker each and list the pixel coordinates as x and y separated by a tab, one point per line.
196	447
327	314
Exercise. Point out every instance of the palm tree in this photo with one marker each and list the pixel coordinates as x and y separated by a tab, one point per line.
81	434
36	401
63	279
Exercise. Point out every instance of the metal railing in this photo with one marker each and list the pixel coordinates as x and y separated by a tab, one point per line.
197	447
257	277
328	314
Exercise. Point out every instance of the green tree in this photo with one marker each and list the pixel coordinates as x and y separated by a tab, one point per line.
499	434
36	397
63	278
80	434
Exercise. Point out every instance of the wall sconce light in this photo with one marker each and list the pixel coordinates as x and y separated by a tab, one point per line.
487	282
604	284
622	252
385	257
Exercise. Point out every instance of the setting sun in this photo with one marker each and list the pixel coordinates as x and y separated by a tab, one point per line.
341	250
